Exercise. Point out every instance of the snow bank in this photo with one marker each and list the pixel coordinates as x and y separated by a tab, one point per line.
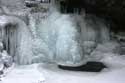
109	75
24	74
48	73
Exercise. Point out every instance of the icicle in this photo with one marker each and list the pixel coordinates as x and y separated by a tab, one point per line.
32	25
23	37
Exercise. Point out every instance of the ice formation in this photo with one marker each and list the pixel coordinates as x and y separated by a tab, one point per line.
6	60
22	40
65	39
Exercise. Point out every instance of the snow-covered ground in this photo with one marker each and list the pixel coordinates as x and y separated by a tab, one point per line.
63	40
23	74
50	73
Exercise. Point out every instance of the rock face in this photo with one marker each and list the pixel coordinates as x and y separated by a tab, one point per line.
111	10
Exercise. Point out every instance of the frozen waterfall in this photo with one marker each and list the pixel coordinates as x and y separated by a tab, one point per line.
65	39
17	39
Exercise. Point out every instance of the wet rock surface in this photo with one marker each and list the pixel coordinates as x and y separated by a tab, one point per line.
89	67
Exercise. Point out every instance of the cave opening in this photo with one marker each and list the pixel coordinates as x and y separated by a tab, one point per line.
10	39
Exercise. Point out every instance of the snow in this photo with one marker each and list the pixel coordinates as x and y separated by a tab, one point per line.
6	59
107	49
106	76
1	66
50	73
24	74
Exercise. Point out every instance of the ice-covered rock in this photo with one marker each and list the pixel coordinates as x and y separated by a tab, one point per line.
57	38
104	50
1	46
7	59
1	65
89	46
23	50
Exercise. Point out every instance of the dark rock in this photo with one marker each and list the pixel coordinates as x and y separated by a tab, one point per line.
45	1
111	10
88	67
31	3
122	51
1	72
